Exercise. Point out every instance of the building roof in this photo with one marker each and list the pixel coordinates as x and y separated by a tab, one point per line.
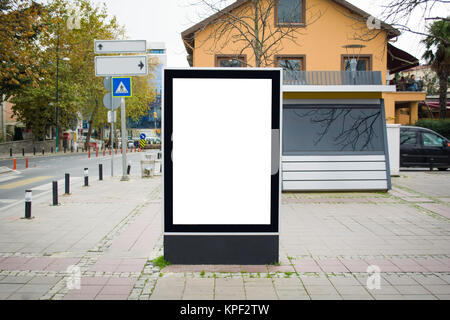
189	34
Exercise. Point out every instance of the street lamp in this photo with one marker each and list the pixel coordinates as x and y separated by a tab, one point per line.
57	96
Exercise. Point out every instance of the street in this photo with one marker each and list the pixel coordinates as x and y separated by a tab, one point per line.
43	170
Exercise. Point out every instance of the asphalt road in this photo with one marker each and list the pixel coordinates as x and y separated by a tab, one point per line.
43	170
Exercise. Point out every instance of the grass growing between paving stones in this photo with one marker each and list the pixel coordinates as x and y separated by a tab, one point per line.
160	262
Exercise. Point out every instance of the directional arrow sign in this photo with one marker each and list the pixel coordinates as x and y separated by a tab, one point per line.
106	66
120	46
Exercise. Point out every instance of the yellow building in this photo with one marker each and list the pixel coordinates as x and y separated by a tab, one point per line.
315	42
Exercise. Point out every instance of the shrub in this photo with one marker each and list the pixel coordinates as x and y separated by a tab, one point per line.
440	126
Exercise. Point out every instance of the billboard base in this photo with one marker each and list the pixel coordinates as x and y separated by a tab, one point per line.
221	249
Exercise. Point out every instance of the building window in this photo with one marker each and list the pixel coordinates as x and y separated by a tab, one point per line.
292	65
290	12
231	61
364	63
331	129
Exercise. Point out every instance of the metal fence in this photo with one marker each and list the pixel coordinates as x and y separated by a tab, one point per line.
330	78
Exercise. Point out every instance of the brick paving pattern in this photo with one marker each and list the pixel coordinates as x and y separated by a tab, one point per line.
113	231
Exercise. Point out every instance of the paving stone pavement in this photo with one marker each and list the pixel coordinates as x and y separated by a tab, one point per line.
108	234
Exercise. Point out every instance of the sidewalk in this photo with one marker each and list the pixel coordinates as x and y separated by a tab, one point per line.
112	230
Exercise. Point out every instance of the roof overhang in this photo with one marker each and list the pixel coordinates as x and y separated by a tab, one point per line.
338	88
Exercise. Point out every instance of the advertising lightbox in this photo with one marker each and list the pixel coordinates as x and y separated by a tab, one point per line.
221	143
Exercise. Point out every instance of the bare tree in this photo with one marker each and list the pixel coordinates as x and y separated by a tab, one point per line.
399	13
251	25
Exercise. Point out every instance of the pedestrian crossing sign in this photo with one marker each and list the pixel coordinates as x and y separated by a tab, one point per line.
121	87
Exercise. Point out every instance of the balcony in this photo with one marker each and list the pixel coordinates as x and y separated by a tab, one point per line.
332	78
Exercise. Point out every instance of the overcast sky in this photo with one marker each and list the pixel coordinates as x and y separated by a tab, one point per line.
164	20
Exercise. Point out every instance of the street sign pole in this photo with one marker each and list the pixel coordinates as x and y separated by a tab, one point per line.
112	140
124	140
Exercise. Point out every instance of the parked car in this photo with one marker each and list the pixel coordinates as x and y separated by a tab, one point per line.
421	147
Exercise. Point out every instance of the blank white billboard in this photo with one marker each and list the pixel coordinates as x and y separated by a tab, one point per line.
222	151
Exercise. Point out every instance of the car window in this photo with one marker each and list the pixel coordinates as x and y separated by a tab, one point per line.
431	140
408	138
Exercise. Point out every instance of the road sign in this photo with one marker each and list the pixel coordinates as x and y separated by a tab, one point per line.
142	136
121	87
110	102
120	46
106	66
142	143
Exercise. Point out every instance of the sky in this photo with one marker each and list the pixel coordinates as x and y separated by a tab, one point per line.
164	20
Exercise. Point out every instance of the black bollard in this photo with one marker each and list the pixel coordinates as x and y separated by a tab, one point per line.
67	183
100	172
34	151
43	151
28	196
55	193
128	169
51	149
86	177
23	152
10	152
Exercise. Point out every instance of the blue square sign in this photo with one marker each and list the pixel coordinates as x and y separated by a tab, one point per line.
121	87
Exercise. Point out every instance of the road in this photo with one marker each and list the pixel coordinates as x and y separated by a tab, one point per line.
43	170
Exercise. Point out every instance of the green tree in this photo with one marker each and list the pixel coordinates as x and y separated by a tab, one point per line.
20	27
437	55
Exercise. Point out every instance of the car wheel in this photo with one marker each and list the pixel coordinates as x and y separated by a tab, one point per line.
442	169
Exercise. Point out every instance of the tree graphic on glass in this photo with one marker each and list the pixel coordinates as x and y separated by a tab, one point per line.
332	129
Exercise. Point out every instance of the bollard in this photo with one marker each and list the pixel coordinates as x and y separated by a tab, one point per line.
10	152
96	152
86	177
104	152
15	164
23	152
28	196
51	150
26	163
89	153
34	151
128	169
67	183
100	172
43	151
55	193
109	151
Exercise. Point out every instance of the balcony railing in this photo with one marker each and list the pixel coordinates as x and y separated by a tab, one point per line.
332	78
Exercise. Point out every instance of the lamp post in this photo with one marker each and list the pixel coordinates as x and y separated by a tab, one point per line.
57	94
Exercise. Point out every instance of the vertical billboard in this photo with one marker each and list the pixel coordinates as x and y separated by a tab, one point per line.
221	143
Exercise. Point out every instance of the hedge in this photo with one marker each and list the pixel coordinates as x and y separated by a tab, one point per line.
440	126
